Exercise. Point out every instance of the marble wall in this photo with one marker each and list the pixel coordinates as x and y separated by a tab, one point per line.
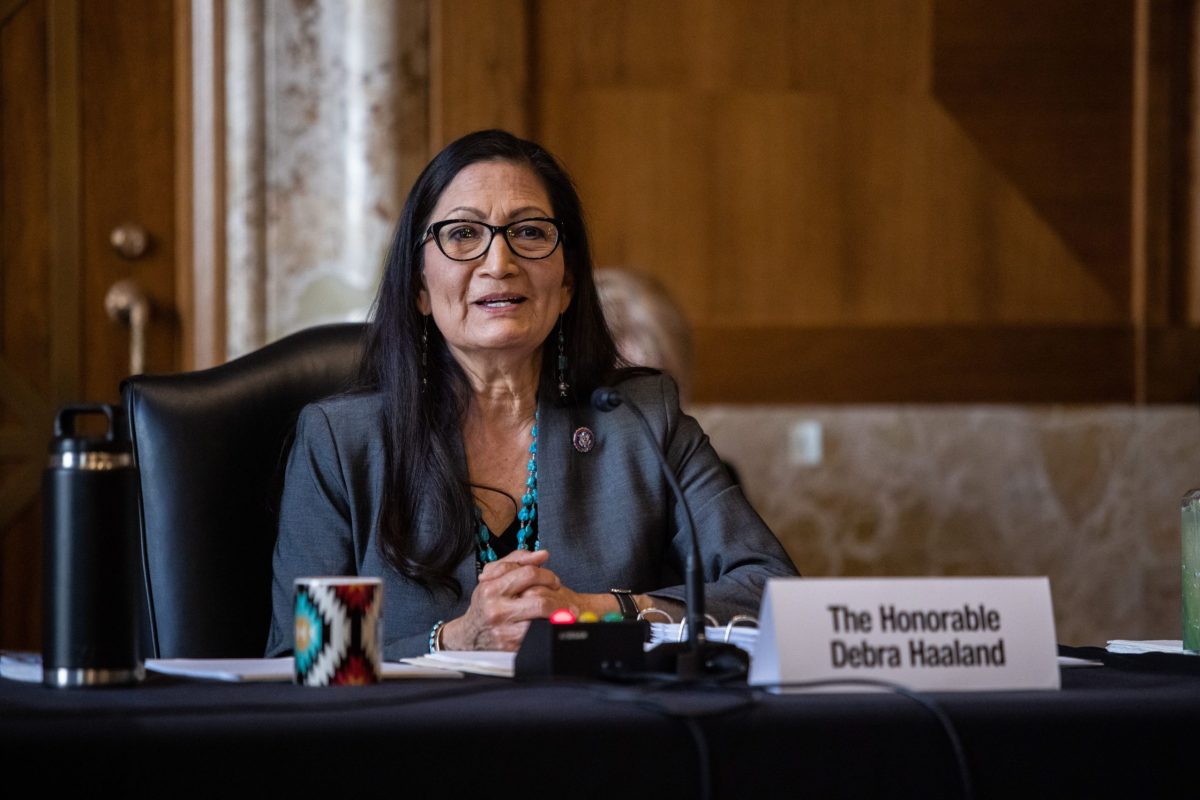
1088	496
326	116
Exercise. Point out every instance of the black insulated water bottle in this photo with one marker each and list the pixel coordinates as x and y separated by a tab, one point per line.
91	553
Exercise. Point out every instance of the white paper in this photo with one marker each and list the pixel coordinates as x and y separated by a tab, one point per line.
1134	647
266	669
27	667
496	663
21	666
1071	661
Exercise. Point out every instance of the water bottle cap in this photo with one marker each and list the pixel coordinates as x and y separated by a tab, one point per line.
107	450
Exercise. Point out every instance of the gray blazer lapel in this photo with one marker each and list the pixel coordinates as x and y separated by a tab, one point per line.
555	476
571	502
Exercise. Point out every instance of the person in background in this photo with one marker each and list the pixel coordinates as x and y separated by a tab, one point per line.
649	329
647	325
468	468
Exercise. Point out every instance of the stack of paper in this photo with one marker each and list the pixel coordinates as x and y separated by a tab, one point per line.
226	669
280	670
21	666
743	636
28	667
496	663
1131	647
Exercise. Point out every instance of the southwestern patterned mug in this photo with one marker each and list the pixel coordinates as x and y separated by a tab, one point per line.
338	630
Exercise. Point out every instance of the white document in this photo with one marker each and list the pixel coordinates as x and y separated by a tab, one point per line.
28	667
496	663
21	666
267	669
1135	647
936	634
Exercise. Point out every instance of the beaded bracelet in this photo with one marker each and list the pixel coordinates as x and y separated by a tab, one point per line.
435	636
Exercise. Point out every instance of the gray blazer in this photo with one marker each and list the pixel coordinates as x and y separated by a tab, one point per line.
607	517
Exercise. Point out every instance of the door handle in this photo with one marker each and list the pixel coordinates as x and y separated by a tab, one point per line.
129	240
126	302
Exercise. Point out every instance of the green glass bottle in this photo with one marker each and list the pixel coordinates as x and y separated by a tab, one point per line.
1190	577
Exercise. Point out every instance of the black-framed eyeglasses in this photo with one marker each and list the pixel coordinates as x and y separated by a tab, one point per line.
468	239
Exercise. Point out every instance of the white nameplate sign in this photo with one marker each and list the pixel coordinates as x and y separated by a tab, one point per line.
936	634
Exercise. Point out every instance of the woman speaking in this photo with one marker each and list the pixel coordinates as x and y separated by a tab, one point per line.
468	469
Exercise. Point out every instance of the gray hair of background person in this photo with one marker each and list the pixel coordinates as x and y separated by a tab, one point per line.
648	325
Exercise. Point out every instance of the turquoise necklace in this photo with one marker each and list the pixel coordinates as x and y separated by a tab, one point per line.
527	538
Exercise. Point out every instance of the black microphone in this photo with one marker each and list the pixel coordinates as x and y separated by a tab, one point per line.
606	399
696	657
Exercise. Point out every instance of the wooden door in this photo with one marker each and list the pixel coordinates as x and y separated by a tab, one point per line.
87	145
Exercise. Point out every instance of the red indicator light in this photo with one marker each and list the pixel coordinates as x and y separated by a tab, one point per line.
562	617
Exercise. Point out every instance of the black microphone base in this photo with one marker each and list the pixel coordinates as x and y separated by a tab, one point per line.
706	660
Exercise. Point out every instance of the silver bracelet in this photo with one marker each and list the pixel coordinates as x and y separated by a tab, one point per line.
435	636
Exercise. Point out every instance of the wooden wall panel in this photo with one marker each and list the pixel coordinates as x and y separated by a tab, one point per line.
950	364
683	45
1171	135
830	188
27	311
25	306
480	68
1045	90
828	173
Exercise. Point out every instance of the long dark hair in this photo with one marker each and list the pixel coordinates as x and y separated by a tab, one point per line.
422	425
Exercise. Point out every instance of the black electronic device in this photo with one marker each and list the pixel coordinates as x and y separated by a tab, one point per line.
696	657
582	649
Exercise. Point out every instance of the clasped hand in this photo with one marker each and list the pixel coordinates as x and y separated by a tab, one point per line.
512	591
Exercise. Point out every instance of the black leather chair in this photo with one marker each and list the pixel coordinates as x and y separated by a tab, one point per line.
211	446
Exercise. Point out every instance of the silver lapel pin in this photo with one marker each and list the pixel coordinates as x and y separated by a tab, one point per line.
584	440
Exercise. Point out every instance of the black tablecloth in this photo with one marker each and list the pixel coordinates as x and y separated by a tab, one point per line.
1108	731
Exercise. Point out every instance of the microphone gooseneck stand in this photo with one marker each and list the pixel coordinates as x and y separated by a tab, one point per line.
696	658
